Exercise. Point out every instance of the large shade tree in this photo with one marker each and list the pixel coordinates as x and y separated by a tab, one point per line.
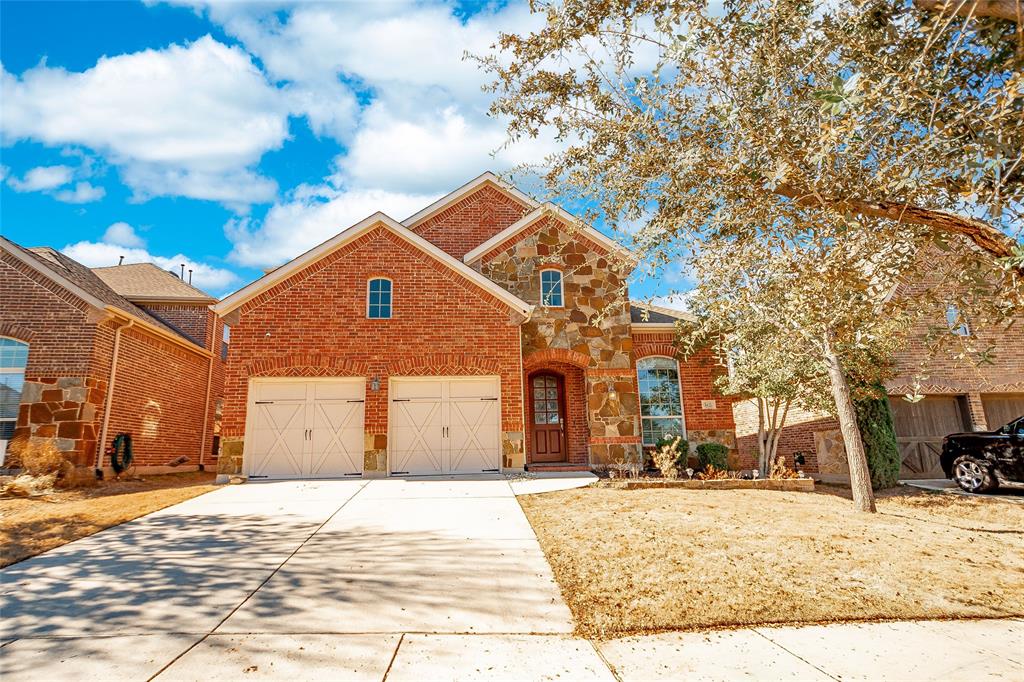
798	157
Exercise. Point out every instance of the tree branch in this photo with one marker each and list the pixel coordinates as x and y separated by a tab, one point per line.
978	231
1011	10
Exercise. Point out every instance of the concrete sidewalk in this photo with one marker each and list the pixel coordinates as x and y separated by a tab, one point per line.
926	650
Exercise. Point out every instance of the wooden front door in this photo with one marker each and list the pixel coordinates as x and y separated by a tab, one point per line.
547	392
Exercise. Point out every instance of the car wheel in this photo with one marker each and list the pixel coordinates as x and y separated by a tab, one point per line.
974	476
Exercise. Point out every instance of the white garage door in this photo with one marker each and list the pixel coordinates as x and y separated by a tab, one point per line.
445	425
305	428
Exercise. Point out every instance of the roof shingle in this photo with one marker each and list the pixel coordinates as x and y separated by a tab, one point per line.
149	282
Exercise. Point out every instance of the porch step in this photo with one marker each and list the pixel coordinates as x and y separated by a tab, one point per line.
558	467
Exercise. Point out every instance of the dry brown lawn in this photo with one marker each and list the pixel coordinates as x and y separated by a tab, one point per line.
30	526
634	561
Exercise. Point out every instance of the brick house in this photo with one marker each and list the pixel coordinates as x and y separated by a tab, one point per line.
486	332
958	396
87	354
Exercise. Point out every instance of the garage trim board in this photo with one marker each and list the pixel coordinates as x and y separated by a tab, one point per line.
305	428
444	425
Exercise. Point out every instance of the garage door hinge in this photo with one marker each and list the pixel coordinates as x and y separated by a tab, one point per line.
488	398
354	401
259	477
393	473
264	402
489	471
400	400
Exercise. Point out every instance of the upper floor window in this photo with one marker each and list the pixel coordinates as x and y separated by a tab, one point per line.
379	299
661	405
13	358
551	288
956	322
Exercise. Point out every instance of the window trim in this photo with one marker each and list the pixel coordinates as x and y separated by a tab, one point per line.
561	287
391	293
10	370
639	398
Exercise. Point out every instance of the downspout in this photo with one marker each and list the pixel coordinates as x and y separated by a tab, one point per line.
109	400
206	414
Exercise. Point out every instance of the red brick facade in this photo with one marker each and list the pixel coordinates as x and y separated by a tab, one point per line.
314	324
462	227
160	387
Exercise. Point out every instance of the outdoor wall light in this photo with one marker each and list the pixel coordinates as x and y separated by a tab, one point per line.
375	384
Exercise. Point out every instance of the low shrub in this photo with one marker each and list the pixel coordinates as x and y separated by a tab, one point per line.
713	473
713	455
41	458
670	456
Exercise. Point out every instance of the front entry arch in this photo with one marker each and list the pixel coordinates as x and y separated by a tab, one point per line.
547	418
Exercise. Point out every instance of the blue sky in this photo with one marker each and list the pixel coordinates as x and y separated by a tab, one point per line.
232	137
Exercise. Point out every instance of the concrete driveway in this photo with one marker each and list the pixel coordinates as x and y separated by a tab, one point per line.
396	580
193	587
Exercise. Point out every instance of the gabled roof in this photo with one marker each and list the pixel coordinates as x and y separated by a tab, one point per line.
83	283
536	214
648	316
237	299
148	283
464	191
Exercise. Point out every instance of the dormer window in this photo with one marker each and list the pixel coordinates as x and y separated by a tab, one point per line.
379	299
551	288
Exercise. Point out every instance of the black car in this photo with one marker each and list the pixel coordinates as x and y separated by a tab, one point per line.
980	461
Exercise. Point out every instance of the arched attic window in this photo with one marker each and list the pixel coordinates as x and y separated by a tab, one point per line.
378	299
551	291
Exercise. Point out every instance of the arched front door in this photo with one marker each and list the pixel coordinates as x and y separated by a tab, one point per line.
547	421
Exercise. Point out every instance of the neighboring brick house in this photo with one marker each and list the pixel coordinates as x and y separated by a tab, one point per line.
487	332
87	354
958	396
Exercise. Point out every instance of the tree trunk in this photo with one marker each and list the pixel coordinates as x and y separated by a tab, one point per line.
978	231
860	477
1010	10
762	436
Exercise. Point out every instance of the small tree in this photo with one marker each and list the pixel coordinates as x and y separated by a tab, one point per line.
874	418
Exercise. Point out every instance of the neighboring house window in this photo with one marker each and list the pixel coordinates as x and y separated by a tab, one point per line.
957	323
661	405
224	343
13	356
551	288
379	299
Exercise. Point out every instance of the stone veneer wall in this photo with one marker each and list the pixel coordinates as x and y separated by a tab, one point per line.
65	409
591	331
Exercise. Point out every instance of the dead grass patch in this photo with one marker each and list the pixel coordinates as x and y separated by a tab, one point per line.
30	526
640	561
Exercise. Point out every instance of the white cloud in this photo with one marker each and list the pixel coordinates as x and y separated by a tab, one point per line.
174	120
83	193
677	301
313	215
123	234
107	252
42	178
433	151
